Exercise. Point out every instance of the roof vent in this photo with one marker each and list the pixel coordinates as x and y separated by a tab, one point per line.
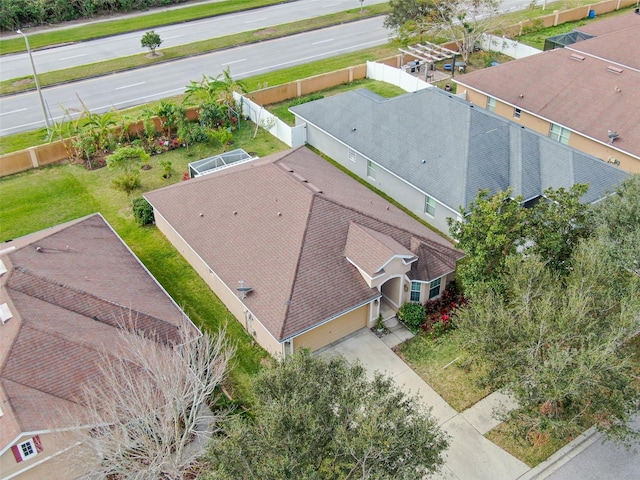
243	290
575	56
299	177
5	313
615	70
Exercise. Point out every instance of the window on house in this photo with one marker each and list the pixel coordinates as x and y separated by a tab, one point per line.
491	104
434	288
517	112
560	134
26	450
415	291
371	169
351	155
430	205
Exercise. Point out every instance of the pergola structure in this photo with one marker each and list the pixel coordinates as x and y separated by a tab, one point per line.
430	53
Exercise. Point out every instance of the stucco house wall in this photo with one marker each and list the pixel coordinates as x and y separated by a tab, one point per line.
403	192
57	460
231	300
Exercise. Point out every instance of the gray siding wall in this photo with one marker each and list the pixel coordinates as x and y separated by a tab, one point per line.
401	191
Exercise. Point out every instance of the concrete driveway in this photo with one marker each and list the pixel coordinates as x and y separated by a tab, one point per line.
470	455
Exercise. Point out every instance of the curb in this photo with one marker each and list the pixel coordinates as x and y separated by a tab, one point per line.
562	456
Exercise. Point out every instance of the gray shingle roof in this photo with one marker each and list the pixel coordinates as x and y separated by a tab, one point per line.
465	148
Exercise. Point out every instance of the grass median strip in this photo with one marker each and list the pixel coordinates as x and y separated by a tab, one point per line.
12	86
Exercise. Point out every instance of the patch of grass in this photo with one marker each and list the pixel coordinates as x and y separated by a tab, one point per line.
440	364
45	197
523	450
536	38
386	90
181	51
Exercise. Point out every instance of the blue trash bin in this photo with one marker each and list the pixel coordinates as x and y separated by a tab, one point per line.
592	14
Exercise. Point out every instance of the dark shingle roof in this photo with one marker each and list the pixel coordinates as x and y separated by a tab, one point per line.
464	148
281	224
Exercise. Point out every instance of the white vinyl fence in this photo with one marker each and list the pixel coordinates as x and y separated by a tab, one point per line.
507	46
395	76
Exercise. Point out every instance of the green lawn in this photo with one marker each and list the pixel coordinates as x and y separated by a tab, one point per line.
45	197
442	365
530	453
386	90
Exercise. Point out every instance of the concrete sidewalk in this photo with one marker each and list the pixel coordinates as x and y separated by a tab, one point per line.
470	455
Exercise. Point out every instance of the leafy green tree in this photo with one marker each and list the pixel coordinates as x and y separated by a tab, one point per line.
152	41
497	226
493	229
319	420
618	220
214	89
560	343
403	11
128	161
557	223
460	21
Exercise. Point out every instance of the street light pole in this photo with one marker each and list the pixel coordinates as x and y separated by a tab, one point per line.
35	77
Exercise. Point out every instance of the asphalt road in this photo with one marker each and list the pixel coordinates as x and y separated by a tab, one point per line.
82	53
602	460
23	112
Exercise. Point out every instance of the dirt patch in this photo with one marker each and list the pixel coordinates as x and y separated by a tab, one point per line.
24	81
157	55
265	32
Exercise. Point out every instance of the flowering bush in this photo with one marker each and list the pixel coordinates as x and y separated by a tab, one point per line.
439	311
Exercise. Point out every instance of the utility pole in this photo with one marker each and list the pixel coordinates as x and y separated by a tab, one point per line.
35	77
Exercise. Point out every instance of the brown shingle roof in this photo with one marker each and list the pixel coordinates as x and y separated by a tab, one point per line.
580	95
621	47
56	283
371	250
262	224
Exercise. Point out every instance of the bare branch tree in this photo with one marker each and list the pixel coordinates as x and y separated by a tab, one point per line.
148	409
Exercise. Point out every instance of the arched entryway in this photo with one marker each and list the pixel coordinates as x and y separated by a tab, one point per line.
391	295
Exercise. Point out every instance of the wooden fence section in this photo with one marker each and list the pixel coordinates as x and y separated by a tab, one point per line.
558	17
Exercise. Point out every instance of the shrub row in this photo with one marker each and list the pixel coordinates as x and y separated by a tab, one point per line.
16	14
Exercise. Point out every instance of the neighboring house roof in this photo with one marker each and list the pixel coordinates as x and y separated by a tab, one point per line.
574	86
67	288
281	224
449	149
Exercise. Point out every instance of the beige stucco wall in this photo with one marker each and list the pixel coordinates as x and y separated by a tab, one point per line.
333	330
542	126
56	461
224	293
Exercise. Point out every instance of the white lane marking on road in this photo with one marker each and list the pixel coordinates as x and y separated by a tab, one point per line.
12	111
384	40
256	20
173	36
129	86
332	5
323	41
75	56
235	61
